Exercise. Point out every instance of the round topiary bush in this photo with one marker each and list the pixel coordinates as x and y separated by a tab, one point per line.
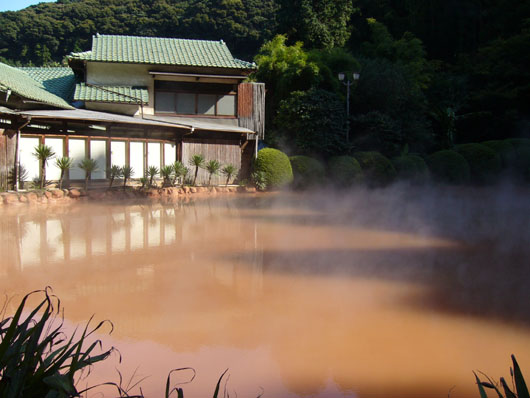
484	164
449	167
410	167
504	149
275	166
378	169
344	171
307	171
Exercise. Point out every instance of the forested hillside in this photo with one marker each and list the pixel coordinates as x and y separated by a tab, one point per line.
433	72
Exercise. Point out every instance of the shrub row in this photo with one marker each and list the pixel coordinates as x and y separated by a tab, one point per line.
478	163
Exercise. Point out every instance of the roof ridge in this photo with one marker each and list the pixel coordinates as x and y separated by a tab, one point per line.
157	37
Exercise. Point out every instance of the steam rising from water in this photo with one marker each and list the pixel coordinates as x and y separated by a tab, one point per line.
397	291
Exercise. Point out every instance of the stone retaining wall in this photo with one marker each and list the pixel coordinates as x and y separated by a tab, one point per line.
64	196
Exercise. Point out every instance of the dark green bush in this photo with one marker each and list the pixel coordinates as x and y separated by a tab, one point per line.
504	149
410	167
484	164
276	166
448	166
307	171
377	169
344	171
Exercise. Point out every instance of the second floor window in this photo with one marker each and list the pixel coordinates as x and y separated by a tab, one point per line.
185	98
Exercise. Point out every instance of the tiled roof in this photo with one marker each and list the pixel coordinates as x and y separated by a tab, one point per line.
57	80
161	51
119	94
20	83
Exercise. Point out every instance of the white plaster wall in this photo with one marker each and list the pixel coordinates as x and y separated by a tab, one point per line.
153	154
136	158
77	151
118	153
170	153
57	144
98	152
27	160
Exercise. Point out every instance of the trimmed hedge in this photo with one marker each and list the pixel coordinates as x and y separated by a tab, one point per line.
411	167
377	169
448	166
504	149
484	164
276	167
344	171
307	171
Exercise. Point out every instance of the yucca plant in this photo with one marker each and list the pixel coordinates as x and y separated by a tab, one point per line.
212	167
166	172
152	172
521	390
178	171
196	161
229	170
37	359
126	172
65	163
89	166
114	172
43	153
143	181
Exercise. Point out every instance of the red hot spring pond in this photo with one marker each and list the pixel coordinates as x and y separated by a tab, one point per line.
395	292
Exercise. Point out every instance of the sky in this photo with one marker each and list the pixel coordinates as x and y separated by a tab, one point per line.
14	5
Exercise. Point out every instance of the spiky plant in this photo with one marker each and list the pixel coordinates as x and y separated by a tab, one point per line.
43	153
178	171
89	166
196	161
520	391
166	172
143	181
152	172
114	172
229	170
212	167
65	163
126	172
36	357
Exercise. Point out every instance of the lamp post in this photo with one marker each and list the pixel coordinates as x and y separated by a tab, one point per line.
344	78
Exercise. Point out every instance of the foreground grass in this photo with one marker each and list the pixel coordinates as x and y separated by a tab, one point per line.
37	359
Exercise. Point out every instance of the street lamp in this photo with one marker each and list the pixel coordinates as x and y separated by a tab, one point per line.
344	76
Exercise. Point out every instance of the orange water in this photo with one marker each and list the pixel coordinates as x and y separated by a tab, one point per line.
373	293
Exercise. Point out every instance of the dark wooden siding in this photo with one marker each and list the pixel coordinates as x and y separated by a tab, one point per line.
251	107
7	155
222	150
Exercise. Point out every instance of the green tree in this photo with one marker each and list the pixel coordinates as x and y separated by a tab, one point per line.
114	172
283	69
318	23
43	153
229	170
315	122
152	172
89	166
212	167
65	163
126	172
196	161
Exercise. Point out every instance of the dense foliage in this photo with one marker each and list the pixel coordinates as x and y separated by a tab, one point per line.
433	73
449	167
307	171
344	171
377	169
410	167
484	164
275	166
